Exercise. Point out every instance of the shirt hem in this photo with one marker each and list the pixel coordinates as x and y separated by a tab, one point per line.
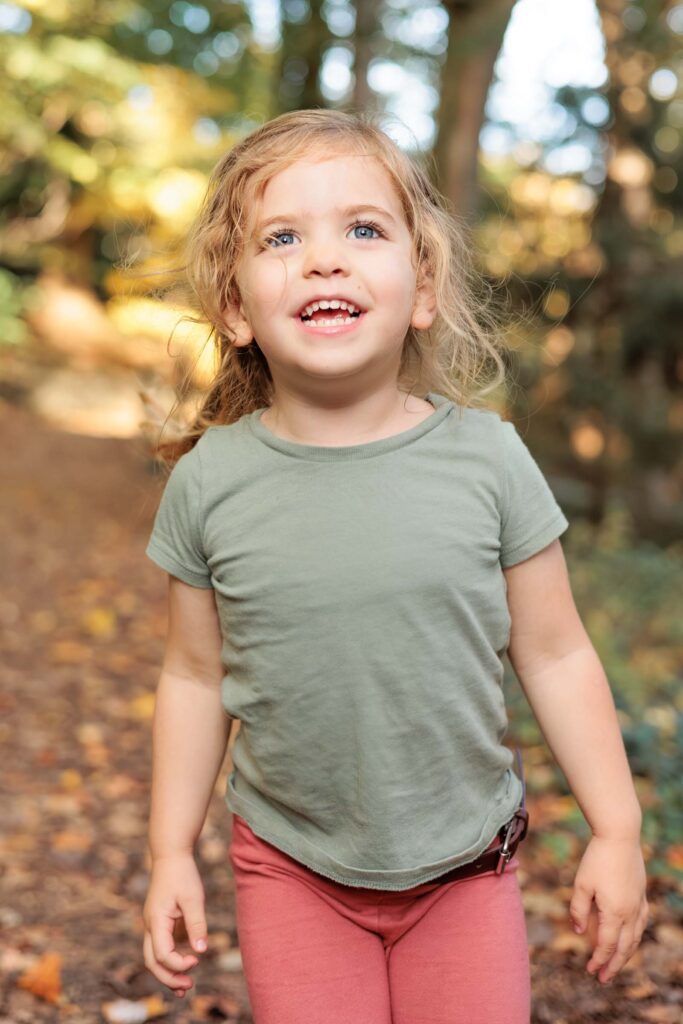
409	877
160	557
532	545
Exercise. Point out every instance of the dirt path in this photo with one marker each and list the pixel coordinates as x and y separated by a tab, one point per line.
82	619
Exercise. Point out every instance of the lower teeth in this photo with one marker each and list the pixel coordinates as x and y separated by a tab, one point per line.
331	323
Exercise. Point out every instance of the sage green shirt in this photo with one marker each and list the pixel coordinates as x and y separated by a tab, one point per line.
363	610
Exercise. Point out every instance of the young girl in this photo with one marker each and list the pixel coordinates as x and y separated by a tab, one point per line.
353	543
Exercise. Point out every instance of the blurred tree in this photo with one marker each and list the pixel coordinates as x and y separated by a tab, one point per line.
305	37
100	138
602	368
624	387
475	33
367	29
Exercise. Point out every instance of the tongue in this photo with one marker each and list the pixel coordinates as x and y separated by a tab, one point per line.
328	314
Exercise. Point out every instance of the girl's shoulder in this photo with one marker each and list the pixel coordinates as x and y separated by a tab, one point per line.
484	420
222	437
478	422
485	434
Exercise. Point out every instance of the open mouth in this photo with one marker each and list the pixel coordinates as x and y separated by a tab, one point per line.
333	312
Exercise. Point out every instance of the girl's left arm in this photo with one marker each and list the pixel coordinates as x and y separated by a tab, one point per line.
567	689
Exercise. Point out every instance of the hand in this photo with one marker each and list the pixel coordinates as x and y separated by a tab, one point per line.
175	892
611	872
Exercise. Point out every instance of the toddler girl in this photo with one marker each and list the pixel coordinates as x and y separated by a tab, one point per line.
353	543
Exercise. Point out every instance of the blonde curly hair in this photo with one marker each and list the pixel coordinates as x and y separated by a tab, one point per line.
461	356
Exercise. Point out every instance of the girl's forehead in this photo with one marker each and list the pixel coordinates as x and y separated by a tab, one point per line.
340	179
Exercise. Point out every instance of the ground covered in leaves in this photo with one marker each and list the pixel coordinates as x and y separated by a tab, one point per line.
82	623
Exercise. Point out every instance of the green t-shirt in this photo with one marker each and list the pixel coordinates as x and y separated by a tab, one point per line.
363	610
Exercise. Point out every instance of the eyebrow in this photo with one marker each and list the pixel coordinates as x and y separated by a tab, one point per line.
347	212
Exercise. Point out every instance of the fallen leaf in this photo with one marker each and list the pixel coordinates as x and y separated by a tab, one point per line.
70	779
669	934
208	1007
71	840
661	1013
568	942
116	786
12	959
128	1011
43	978
143	706
230	960
69	652
90	732
643	989
100	622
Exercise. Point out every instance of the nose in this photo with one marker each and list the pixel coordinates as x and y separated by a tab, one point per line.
325	255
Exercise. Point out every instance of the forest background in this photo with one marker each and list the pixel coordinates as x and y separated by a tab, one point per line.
112	115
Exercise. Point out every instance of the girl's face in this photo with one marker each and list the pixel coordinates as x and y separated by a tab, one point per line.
308	241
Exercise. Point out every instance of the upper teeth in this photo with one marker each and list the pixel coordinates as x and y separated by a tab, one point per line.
329	304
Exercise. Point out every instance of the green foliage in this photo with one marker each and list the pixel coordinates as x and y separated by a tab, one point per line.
91	120
659	757
16	298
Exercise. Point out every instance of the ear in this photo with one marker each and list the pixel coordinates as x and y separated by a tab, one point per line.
424	303
238	325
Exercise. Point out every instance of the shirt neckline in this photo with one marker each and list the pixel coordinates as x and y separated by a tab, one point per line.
336	453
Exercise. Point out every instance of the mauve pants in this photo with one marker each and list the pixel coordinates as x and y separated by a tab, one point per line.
315	951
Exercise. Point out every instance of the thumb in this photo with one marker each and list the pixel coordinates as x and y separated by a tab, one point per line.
579	909
195	923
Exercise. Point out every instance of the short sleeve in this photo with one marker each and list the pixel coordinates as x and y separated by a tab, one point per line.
175	543
530	516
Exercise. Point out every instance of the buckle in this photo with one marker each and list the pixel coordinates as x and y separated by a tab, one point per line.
515	830
505	854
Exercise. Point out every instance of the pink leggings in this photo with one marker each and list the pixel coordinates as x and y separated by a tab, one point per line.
315	951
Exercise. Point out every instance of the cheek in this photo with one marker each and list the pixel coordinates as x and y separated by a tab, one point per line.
268	290
396	289
393	278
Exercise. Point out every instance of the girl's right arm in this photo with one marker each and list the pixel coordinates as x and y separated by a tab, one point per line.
190	734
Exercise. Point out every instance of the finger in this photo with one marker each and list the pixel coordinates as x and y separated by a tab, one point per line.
626	947
640	926
644	918
606	945
579	909
178	982
195	922
164	949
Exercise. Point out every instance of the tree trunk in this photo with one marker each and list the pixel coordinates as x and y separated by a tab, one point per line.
301	50
364	99
475	34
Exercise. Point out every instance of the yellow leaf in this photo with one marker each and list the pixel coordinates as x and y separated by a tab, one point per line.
100	622
70	779
143	706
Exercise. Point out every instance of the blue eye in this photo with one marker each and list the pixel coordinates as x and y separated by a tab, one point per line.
277	234
286	237
367	224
